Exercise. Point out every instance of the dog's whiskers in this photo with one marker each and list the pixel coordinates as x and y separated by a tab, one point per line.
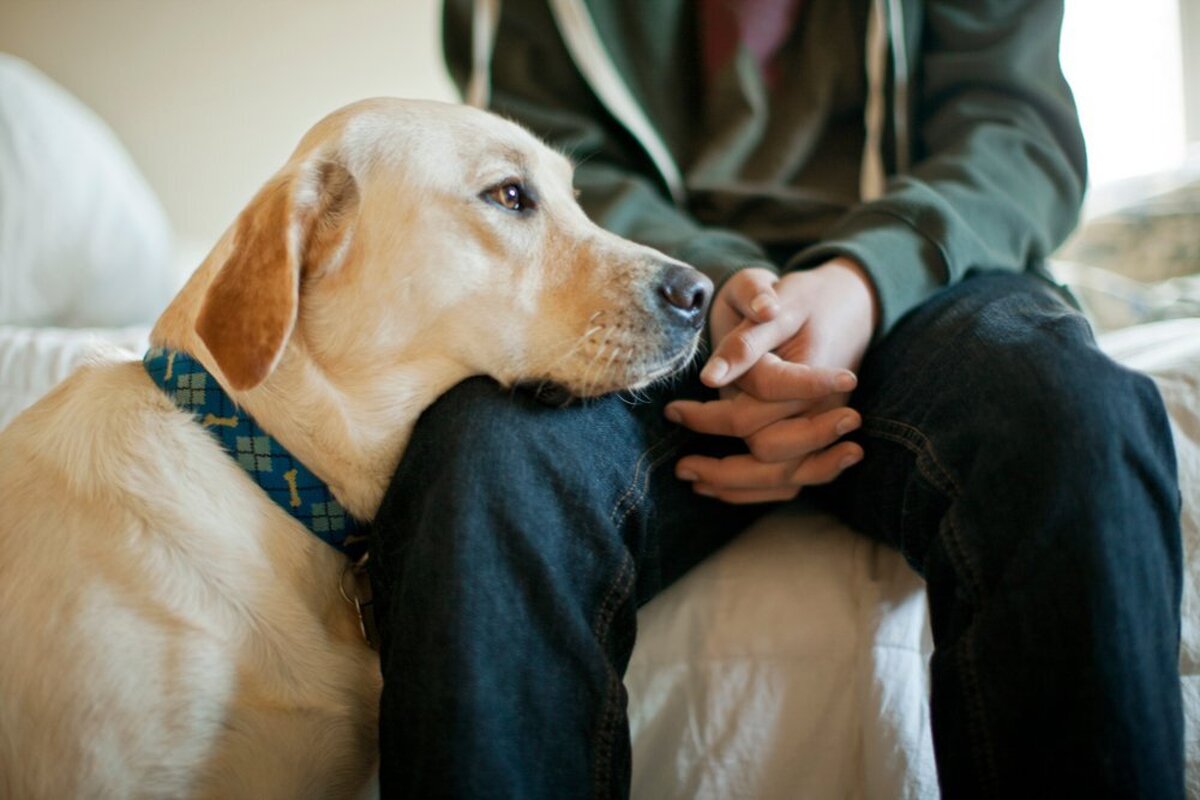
608	365
592	383
595	371
574	346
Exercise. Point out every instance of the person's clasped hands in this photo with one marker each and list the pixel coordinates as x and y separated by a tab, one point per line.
785	353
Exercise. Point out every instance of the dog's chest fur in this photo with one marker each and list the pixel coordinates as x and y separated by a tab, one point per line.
127	529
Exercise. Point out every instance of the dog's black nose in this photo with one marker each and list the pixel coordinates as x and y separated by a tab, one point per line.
686	293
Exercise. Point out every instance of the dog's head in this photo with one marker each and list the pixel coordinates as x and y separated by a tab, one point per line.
405	246
406	230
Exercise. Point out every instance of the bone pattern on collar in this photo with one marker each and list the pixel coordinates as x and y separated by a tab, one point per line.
291	485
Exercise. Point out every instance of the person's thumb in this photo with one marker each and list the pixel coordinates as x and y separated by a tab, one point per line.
740	349
751	293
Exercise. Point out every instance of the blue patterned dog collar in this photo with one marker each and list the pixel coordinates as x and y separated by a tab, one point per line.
289	483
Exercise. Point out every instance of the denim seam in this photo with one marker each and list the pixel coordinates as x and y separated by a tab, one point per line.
982	746
639	485
915	441
618	592
636	501
637	470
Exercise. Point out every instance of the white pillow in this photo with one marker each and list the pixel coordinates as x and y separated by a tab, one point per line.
34	360
83	239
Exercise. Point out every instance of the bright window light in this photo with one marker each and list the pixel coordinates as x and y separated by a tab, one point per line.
1124	63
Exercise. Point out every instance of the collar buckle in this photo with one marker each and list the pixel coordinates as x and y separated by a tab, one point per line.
355	587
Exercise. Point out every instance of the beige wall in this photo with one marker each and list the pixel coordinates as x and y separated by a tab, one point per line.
211	95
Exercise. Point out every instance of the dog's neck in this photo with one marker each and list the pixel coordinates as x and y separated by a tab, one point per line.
352	440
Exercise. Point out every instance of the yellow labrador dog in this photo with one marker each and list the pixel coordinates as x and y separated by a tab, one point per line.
166	629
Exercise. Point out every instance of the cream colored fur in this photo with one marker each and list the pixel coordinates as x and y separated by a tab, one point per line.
165	629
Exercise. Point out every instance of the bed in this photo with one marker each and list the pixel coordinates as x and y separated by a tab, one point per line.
792	663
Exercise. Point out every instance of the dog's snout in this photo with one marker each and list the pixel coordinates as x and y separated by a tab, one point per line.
685	292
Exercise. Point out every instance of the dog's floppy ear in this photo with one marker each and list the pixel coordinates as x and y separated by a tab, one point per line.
297	225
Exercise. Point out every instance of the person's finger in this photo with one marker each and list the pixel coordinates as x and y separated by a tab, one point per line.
741	348
798	437
773	378
751	293
826	466
734	472
747	472
745	496
739	416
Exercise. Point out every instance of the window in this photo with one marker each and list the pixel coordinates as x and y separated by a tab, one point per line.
1125	63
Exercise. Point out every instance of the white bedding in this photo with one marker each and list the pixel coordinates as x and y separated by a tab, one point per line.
793	663
33	360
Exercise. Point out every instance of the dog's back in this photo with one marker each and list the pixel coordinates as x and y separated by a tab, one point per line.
157	612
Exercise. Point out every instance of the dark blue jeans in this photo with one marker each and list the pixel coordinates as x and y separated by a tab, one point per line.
1029	478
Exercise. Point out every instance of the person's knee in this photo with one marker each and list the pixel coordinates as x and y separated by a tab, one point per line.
484	457
495	488
495	438
1073	406
475	431
1031	367
1085	445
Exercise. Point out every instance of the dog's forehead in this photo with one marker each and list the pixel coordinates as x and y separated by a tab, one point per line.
451	141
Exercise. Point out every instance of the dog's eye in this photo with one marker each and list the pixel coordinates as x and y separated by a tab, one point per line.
511	195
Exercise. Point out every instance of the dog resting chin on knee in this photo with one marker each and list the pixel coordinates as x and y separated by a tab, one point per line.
167	628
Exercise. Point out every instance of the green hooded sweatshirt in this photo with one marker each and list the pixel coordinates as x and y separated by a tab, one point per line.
925	139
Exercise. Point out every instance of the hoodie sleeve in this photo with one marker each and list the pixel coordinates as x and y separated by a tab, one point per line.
535	82
999	168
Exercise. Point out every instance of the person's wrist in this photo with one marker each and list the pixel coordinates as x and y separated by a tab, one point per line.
855	274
